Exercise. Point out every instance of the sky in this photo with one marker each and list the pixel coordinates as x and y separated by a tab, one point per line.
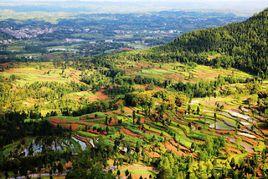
242	7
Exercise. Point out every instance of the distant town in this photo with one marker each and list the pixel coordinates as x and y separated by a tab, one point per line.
94	34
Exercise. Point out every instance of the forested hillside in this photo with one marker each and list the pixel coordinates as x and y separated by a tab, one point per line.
240	45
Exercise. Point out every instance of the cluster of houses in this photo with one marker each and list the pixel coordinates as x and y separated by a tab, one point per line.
26	33
6	41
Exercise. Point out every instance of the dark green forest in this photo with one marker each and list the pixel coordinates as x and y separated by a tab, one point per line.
240	45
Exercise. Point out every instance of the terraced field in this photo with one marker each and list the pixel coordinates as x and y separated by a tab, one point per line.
238	129
47	87
150	119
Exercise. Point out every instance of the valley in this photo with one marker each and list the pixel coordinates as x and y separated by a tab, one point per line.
196	107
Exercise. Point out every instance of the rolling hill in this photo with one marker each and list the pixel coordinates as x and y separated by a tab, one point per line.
240	45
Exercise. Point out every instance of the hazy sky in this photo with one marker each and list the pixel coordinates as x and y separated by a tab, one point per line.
246	7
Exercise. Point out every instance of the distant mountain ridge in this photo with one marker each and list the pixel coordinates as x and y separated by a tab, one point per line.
240	7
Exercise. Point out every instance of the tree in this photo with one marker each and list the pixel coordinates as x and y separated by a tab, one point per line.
150	106
189	109
198	110
232	163
215	120
85	166
106	120
60	167
139	120
129	176
133	116
118	173
193	146
126	173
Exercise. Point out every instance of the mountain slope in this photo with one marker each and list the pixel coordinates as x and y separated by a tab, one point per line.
240	45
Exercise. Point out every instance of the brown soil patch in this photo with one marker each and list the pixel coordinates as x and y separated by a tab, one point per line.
100	95
142	120
225	132
173	149
68	124
176	77
113	122
183	148
73	126
206	75
59	177
233	150
249	140
143	65
4	65
265	131
57	121
153	155
152	132
68	165
83	118
74	76
137	176
128	110
130	133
